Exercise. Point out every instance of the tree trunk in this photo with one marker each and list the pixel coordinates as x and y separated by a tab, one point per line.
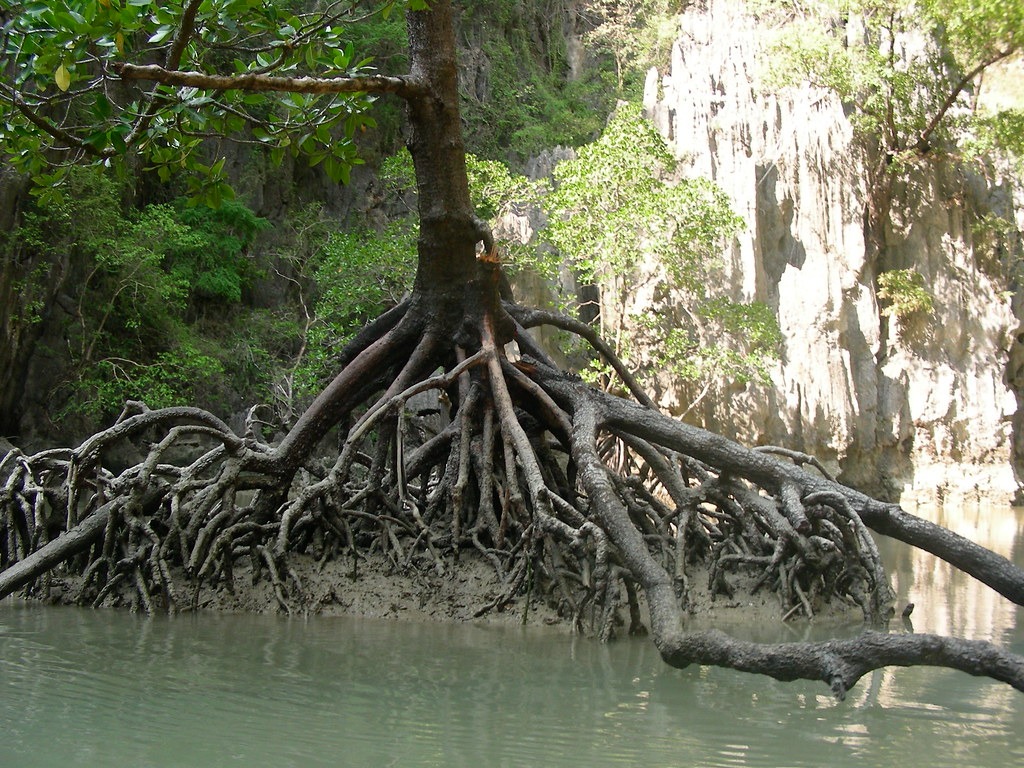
448	229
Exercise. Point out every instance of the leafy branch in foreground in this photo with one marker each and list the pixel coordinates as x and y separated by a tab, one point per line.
73	94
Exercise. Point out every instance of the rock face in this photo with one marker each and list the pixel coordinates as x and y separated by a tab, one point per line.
921	410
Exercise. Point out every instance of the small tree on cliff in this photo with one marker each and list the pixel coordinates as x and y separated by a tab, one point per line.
515	474
911	74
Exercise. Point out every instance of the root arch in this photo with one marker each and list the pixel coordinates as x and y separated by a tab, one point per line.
508	461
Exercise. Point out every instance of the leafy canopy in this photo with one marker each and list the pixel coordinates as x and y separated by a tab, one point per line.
62	101
615	205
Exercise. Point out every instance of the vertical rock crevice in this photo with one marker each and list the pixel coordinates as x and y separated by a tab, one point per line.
919	408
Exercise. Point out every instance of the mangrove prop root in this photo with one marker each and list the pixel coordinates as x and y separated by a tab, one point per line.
593	503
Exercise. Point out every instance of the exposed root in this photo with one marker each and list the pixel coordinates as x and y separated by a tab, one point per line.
575	497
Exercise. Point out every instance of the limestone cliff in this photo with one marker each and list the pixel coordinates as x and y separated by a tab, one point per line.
925	411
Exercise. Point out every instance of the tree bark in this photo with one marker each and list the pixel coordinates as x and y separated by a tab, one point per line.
66	545
841	663
449	230
69	543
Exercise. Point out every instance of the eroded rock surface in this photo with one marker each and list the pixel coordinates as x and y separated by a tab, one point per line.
925	409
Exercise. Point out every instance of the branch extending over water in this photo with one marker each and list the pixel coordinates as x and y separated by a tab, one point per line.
403	86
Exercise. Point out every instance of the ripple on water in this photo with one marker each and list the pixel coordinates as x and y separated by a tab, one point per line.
101	688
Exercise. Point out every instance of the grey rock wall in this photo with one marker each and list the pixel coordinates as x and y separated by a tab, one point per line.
921	412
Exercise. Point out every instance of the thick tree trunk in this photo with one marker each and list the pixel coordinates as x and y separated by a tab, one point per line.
448	228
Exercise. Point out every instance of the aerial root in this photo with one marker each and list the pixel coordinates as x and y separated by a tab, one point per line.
594	505
492	475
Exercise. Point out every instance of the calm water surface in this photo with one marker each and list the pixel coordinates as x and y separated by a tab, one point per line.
103	688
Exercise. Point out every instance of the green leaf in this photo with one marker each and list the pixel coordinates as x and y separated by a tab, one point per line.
161	34
102	109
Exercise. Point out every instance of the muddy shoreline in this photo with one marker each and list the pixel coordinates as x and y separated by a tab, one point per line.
373	587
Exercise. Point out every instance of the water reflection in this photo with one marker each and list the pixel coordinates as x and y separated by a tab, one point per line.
948	601
106	688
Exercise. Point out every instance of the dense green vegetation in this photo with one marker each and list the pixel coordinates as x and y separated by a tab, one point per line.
523	98
158	295
535	86
164	307
652	242
172	302
59	54
523	88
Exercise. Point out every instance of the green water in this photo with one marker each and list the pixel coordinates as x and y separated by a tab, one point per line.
103	688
